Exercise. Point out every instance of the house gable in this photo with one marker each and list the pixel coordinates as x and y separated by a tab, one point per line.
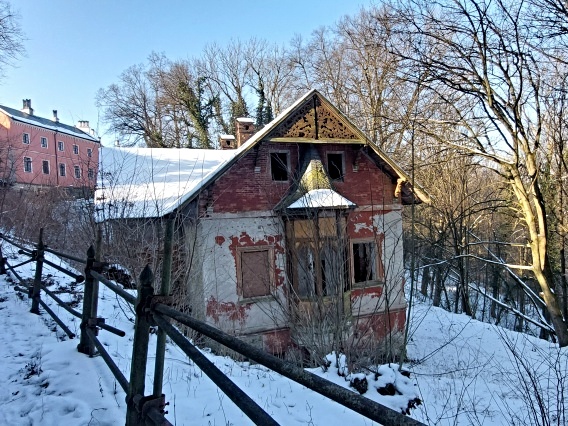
315	120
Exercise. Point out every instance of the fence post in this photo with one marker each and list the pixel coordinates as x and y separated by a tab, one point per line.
36	292
98	257
2	263
139	347
164	291
85	345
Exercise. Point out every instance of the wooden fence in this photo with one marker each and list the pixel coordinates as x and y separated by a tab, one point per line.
155	310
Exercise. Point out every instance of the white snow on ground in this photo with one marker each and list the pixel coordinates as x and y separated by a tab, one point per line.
465	373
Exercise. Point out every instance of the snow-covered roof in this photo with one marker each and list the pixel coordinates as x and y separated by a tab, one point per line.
46	123
321	198
152	182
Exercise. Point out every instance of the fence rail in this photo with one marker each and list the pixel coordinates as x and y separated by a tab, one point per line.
155	309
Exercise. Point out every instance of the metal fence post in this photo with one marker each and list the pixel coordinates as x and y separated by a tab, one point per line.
36	292
139	347
85	345
164	291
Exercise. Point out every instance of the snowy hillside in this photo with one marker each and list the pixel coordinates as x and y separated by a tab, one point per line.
464	371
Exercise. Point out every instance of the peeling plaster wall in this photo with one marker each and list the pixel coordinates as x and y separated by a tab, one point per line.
219	237
390	296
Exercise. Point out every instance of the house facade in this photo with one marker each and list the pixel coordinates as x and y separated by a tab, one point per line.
293	238
45	152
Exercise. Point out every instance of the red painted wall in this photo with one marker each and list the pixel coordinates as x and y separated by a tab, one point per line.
11	141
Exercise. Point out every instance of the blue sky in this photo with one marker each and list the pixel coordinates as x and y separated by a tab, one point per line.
74	48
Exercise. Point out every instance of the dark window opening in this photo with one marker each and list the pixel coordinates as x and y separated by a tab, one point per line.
62	169
255	273
279	166
335	166
365	267
45	167
27	164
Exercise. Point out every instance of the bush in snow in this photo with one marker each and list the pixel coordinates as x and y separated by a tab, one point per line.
393	388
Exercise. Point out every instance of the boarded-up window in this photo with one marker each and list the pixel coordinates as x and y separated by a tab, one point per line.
255	273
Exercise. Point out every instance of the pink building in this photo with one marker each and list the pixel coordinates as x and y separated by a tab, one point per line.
41	151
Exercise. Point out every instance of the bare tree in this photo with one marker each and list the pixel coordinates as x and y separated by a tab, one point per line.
478	52
11	36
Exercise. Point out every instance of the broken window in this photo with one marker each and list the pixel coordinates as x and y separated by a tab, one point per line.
318	262
279	166
367	265
255	272
335	166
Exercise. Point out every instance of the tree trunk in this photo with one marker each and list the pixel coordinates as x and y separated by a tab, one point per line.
425	281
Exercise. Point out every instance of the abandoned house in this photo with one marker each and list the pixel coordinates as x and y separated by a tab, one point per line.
290	237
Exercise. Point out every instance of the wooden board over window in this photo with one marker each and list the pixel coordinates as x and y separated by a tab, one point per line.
255	272
307	229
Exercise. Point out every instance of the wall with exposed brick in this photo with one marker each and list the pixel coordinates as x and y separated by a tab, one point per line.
237	211
220	236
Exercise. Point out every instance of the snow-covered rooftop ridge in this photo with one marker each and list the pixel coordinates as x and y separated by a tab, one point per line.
46	123
245	120
321	198
152	182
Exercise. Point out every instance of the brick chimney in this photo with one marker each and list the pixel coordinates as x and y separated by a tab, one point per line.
55	117
84	126
27	107
227	142
245	129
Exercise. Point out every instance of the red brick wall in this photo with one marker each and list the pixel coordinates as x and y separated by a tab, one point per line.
242	188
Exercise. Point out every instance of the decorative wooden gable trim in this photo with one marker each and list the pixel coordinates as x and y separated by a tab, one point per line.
315	120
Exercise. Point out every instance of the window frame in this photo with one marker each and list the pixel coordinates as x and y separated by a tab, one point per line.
75	149
43	142
323	240
379	260
91	173
25	138
43	167
60	146
77	172
28	162
287	166
89	152
342	174
271	271
62	168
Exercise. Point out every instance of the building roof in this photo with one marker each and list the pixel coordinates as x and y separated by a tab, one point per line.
153	182
325	198
46	123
